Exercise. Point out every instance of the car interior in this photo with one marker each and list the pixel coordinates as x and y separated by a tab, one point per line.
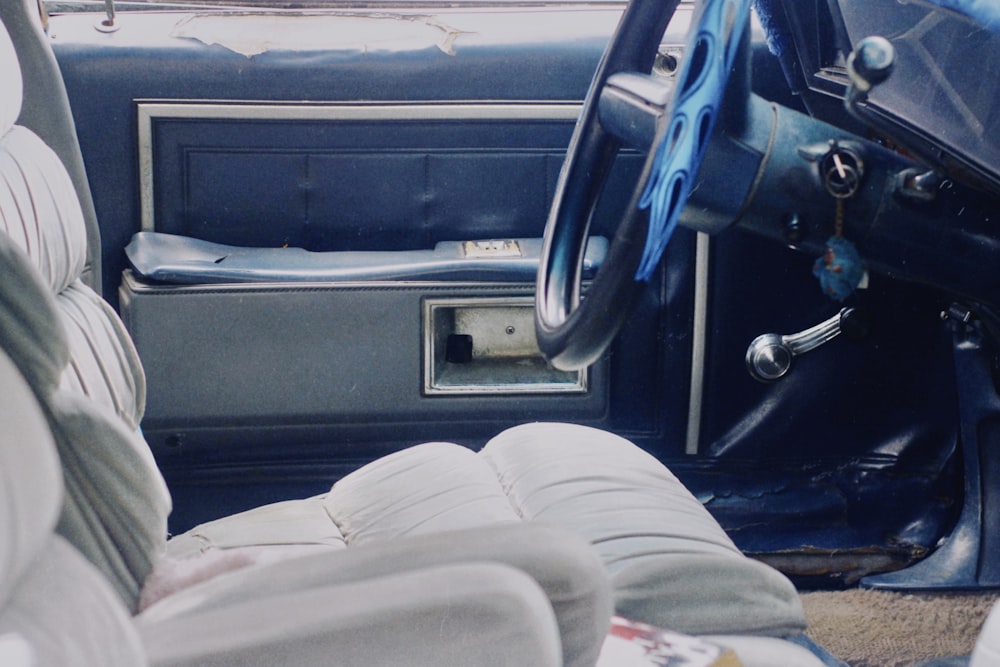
453	333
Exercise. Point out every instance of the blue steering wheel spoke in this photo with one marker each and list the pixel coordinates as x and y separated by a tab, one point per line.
702	82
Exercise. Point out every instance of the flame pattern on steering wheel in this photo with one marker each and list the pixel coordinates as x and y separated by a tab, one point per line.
709	57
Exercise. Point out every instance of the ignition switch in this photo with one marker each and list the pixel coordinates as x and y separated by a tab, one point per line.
840	166
842	169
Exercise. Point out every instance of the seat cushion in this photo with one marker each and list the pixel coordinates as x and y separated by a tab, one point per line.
289	523
116	504
670	562
459	614
427	505
66	614
561	563
709	594
425	489
30	479
620	498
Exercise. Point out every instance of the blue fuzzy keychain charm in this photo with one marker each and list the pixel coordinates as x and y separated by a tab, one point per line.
840	269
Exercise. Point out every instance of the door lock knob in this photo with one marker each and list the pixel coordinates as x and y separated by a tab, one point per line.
770	355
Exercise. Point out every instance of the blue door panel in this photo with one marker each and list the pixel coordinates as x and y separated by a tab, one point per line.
106	77
360	185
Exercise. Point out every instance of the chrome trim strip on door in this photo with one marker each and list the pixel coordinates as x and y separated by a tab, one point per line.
699	329
149	111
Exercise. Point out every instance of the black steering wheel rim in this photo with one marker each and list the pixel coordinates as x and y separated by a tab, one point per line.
574	333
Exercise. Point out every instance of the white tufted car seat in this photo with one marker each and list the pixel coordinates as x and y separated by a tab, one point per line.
431	511
361	608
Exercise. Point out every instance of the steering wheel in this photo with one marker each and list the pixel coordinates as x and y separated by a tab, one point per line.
624	99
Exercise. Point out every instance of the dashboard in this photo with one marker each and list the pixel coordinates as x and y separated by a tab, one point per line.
940	102
923	166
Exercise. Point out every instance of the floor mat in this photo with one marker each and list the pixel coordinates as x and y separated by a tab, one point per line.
869	628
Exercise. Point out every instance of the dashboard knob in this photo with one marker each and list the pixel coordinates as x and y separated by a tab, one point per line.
872	60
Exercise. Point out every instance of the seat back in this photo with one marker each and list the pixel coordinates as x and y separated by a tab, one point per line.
116	501
45	110
55	608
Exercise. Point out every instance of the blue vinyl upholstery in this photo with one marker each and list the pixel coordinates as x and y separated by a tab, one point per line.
183	260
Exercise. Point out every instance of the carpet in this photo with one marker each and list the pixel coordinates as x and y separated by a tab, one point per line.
868	628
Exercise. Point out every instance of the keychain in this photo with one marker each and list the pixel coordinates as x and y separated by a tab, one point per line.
840	270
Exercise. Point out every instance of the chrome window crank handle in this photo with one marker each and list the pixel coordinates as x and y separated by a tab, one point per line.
770	355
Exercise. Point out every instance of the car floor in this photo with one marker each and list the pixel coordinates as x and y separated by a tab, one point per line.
869	628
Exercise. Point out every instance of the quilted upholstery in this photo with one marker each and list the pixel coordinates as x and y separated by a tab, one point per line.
38	207
115	495
670	563
30	485
47	629
65	613
41	214
56	608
